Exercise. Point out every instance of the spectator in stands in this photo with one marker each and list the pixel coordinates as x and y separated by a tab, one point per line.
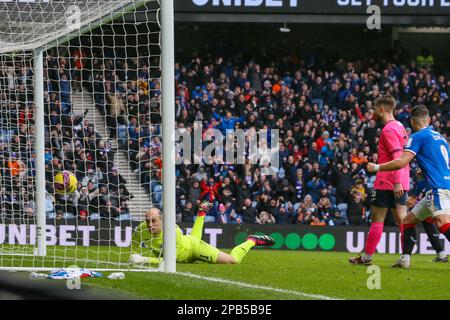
265	218
360	188
79	58
83	204
92	176
315	221
308	204
209	190
113	180
124	193
356	210
283	212
343	181
223	214
187	212
313	187
247	211
424	59
16	167
325	209
338	219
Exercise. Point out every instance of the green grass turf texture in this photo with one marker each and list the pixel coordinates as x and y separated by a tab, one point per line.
318	273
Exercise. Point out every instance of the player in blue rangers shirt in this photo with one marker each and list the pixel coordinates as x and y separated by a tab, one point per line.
431	151
420	188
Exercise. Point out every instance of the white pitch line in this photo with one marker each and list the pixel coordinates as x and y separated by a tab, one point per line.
253	286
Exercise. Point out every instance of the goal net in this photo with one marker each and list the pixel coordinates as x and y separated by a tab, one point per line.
95	65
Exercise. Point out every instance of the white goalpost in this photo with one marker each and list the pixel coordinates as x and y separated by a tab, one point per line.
168	99
39	146
86	91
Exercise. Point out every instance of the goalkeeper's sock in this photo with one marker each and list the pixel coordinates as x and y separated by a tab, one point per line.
197	229
239	252
433	234
445	230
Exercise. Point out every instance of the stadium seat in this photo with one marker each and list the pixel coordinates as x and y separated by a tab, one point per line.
68	215
123	217
94	216
342	207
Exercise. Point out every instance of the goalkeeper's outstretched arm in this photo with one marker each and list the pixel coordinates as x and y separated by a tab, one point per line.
136	258
148	233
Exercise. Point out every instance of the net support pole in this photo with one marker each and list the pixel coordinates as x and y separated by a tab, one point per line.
168	133
40	152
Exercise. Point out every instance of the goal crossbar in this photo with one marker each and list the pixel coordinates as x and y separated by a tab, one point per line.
40	39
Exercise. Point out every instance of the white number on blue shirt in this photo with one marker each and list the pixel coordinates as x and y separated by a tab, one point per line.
445	154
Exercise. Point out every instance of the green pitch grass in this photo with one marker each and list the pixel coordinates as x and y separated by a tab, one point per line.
298	275
313	273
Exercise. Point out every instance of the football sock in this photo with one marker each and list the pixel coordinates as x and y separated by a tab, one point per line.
197	229
410	238
433	235
373	238
402	235
445	230
239	252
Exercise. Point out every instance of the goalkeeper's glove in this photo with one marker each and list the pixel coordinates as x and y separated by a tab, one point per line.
205	206
138	259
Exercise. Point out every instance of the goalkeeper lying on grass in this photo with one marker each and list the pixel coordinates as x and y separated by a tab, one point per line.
190	248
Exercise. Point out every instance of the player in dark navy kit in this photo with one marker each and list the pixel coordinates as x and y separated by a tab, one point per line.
431	151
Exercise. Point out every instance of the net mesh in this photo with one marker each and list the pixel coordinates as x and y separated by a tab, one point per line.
102	129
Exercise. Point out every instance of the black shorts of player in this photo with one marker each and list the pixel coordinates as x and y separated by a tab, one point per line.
386	199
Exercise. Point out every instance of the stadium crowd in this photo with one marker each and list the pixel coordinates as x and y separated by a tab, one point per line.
328	132
323	112
71	143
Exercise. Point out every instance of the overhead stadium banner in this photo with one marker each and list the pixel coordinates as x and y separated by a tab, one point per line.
287	237
329	7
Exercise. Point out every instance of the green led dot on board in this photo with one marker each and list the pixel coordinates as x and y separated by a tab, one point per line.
327	241
293	241
310	241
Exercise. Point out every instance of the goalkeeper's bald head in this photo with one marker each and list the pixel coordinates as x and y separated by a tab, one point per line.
153	218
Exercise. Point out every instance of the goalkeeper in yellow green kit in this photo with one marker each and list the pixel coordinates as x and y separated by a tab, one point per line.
147	242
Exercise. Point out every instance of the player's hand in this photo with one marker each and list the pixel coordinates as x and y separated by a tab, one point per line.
138	259
371	167
398	191
411	201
